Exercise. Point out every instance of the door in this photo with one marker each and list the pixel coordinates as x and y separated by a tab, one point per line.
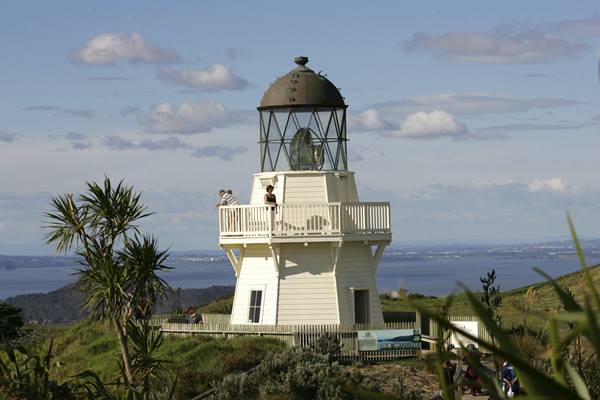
361	307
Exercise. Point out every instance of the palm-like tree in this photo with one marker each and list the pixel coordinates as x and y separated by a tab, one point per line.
119	275
11	323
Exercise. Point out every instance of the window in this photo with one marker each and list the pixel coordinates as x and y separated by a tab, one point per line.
255	302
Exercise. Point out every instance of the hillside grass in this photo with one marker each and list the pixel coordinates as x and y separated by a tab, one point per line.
197	361
512	308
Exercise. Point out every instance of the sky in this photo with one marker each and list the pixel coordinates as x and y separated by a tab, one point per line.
478	121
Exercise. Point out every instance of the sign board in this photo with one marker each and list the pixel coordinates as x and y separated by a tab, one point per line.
471	327
389	339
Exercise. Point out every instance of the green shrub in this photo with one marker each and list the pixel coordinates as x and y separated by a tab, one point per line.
292	374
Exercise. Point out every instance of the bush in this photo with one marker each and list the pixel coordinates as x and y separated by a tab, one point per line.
292	374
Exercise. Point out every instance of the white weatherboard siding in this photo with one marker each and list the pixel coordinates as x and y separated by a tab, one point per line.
308	188
307	286
257	273
354	270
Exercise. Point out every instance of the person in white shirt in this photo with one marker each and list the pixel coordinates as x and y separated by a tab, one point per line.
231	216
227	198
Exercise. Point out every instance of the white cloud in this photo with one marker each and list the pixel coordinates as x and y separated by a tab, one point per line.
469	103
118	143
189	118
366	121
216	77
503	46
432	125
112	47
556	184
219	151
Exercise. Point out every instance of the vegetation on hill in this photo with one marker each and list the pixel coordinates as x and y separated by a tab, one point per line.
512	308
196	361
66	304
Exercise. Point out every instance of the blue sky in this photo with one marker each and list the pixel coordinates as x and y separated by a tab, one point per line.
477	121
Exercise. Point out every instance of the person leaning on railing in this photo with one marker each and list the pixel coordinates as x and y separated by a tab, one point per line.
228	199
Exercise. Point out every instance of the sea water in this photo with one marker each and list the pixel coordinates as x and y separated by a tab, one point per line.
431	276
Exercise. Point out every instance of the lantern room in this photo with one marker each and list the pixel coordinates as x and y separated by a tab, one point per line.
303	123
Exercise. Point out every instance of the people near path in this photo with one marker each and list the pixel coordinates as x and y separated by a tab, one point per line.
473	380
509	379
472	375
192	316
449	371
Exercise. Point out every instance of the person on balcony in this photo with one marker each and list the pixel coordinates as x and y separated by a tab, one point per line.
227	198
270	198
271	202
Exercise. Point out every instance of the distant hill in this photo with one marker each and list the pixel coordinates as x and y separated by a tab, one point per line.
65	304
513	301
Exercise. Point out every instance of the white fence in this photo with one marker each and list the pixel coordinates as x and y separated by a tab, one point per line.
304	219
293	335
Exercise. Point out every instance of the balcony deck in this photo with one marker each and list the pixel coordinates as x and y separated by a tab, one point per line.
305	222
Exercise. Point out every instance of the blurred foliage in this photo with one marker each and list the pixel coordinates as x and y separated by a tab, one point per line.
562	380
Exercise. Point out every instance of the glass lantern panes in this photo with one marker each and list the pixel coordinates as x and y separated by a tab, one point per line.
303	139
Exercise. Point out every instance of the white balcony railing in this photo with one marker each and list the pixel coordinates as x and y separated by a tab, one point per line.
315	219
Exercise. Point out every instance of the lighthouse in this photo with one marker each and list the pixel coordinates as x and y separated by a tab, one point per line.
312	258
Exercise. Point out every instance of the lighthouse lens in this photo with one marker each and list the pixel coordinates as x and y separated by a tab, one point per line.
306	151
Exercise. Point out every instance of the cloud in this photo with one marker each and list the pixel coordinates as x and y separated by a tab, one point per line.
470	103
368	120
130	110
173	143
503	46
75	136
189	118
436	124
115	142
219	151
87	114
80	145
113	47
170	143
214	78
7	137
585	27
532	127
551	184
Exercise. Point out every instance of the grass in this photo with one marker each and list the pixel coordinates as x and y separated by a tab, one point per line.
220	306
197	361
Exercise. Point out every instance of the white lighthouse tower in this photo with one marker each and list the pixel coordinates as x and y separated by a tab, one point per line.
312	259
